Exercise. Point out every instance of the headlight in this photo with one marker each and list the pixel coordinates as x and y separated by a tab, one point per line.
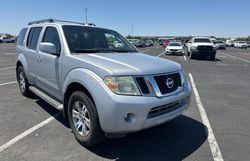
214	47
123	85
193	47
183	78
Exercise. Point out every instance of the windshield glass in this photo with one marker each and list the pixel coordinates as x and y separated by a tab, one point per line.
174	44
202	40
83	39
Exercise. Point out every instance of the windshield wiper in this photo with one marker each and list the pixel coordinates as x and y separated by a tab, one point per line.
123	51
102	50
86	51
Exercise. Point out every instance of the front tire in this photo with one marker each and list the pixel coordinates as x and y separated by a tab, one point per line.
23	82
191	55
212	57
83	119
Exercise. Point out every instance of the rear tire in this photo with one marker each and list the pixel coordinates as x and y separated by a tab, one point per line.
23	82
83	119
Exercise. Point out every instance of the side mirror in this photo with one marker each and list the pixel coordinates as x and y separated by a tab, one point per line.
48	47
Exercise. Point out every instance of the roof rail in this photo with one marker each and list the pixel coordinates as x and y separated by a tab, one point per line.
51	20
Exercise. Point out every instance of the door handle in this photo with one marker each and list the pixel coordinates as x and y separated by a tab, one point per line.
39	59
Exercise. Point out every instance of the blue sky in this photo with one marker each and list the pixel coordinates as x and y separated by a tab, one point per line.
227	18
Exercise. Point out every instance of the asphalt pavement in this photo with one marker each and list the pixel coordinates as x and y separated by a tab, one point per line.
224	90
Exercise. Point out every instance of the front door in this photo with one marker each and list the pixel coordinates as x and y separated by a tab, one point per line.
49	65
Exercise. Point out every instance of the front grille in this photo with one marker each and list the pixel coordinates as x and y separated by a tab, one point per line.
173	50
142	84
205	48
164	82
160	110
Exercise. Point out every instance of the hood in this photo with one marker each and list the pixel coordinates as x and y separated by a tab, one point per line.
127	64
174	47
202	44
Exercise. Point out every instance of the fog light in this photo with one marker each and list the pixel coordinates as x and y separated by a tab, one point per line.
130	118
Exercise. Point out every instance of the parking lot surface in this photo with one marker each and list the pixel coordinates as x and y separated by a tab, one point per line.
224	90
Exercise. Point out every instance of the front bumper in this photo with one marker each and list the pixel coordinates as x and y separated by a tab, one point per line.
199	53
114	110
175	52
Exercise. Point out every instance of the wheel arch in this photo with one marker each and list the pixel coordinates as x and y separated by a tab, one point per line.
22	62
75	86
82	80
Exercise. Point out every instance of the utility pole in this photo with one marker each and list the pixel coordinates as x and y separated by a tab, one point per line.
86	15
132	30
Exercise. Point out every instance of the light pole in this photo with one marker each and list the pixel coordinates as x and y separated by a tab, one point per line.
86	15
132	30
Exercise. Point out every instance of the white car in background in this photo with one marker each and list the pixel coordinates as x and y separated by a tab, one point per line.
174	48
240	44
230	43
7	40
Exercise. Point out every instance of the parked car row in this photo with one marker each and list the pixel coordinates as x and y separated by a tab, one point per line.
141	43
7	40
238	44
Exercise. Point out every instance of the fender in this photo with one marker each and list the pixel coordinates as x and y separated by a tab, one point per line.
83	76
22	60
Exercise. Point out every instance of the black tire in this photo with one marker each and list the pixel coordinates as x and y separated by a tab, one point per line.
212	57
94	134
23	82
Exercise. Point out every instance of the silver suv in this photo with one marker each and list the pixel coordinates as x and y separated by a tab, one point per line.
103	89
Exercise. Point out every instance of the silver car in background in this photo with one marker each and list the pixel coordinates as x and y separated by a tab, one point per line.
219	44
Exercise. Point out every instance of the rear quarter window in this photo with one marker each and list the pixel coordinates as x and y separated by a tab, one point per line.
21	36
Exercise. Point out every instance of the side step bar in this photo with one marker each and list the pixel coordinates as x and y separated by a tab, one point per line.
47	98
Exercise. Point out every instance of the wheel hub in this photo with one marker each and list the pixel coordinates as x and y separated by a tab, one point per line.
81	119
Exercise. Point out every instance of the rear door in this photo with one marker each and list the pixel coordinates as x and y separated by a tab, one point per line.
31	53
49	73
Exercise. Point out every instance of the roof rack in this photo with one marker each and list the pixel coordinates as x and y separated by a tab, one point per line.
51	20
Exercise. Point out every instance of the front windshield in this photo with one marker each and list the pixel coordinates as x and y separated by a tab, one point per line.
174	44
83	39
202	40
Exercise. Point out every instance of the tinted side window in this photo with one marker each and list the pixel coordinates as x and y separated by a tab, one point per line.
51	35
21	36
33	37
